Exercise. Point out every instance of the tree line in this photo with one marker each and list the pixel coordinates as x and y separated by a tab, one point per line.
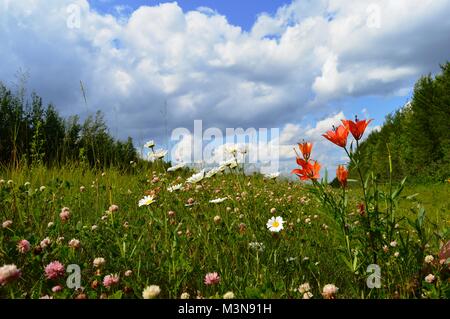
417	136
34	134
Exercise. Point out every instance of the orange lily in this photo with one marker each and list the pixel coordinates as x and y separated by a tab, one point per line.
342	174
305	148
310	170
337	136
357	128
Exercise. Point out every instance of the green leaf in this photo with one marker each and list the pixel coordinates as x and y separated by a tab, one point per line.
116	295
399	189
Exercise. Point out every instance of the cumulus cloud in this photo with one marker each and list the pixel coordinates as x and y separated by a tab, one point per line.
156	68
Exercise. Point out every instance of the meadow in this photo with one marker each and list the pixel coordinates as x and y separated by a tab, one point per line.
179	244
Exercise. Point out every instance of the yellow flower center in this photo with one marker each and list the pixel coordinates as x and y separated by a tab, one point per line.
275	224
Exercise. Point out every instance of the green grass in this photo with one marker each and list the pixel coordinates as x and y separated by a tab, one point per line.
176	252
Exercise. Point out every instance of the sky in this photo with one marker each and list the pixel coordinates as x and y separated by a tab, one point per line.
297	65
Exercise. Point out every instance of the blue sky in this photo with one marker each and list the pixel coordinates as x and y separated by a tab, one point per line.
243	64
241	13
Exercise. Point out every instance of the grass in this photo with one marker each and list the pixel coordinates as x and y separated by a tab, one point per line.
176	251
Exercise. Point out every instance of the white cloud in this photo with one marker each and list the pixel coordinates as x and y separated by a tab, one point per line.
297	61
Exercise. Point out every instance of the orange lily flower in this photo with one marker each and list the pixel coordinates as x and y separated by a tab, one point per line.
342	174
337	136
310	170
357	128
305	148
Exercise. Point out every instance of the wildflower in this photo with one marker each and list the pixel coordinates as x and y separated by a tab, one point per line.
128	273
385	248
272	175
155	180
65	214
27	184
110	280
7	224
341	174
159	154
54	270
98	262
171	214
46	297
307	220
337	136
196	177
256	246
113	208
151	292
9	273
430	278
329	291
275	224
174	188
231	163
150	144
218	200
59	240
228	295
190	202
393	243
82	189
310	170
396	254
273	210
23	246
304	288
57	288
42	188
308	295
176	167
212	172
94	227
232	149
146	201
74	243
305	149
357	128
211	278
217	219
10	182
50	224
429	259
185	295
45	243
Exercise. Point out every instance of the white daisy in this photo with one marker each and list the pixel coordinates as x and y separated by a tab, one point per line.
147	200
150	144
232	149
157	155
275	224
175	188
272	175
218	200
212	172
230	163
196	177
176	167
